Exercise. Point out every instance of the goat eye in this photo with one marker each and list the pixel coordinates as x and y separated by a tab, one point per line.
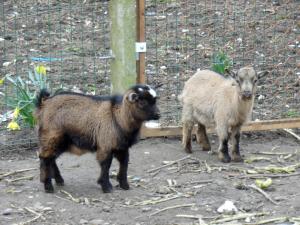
255	81
143	103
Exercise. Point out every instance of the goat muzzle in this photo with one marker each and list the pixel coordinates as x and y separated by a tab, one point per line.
247	95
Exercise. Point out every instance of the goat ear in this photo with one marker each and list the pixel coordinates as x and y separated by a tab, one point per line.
132	97
261	74
233	73
158	85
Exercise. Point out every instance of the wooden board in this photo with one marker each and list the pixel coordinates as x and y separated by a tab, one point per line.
140	63
251	126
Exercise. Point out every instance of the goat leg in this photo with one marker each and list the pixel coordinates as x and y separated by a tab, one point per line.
56	173
123	158
187	136
45	174
223	151
104	176
236	156
202	138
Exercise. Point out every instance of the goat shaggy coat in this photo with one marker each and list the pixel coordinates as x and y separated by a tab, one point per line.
77	123
210	99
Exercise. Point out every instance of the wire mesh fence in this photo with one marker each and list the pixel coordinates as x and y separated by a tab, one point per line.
182	36
71	38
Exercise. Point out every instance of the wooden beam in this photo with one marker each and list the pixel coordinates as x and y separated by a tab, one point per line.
140	63
251	126
123	38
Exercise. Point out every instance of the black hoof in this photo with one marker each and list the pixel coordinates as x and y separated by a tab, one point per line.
107	189
49	188
124	185
237	158
123	182
225	158
105	185
59	181
188	150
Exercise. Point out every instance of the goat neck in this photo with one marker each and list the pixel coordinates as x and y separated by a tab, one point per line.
126	119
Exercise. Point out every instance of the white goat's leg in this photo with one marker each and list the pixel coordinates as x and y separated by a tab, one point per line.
187	136
222	132
202	138
235	140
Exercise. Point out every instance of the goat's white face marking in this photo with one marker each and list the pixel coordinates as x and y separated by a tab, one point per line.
152	92
148	89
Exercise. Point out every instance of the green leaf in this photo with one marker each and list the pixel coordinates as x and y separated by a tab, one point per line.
221	63
263	184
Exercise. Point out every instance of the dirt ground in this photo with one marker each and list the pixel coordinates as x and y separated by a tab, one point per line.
196	186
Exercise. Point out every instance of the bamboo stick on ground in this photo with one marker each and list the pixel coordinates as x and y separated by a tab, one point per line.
171	207
263	193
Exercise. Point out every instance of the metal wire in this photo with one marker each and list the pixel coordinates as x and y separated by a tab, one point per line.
255	32
71	38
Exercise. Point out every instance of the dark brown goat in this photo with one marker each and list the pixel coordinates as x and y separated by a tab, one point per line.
77	123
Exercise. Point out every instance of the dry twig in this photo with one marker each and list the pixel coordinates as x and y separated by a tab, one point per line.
20	178
15	172
198	217
152	202
77	200
278	219
273	153
37	216
30	221
259	176
292	133
208	168
201	181
263	193
236	217
171	207
169	164
34	212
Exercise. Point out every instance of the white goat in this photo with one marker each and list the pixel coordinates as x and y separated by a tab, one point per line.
209	98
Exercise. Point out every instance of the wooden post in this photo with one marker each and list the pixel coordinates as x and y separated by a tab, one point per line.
123	38
140	63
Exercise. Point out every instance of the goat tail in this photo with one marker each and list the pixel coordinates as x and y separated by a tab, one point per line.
42	96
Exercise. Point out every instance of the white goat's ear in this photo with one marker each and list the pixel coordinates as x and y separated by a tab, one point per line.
233	73
132	97
261	74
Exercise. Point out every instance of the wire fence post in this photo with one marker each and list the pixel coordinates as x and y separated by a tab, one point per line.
123	37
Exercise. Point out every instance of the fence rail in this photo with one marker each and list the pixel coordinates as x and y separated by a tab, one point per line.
251	126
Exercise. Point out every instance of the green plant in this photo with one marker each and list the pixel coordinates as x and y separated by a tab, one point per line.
292	113
221	63
24	96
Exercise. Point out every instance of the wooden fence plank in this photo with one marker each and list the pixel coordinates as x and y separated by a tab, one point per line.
140	63
251	126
